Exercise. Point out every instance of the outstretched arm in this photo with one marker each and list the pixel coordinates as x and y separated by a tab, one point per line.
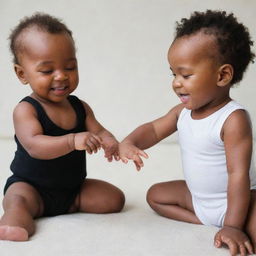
237	136
30	134
107	140
147	135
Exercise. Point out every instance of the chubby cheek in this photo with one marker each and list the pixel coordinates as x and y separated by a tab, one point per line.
40	82
76	81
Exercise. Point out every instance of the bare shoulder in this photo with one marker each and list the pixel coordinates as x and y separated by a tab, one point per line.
177	110
24	109
238	124
87	108
172	114
25	120
167	124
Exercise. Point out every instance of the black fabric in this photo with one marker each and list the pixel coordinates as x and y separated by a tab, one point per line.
67	171
56	201
58	180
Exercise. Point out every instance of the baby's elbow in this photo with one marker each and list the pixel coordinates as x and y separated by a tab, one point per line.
34	149
34	153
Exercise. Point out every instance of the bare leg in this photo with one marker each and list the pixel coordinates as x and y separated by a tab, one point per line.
98	196
172	200
21	204
250	226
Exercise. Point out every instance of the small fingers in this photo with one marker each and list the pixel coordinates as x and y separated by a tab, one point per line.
233	248
136	159
138	162
116	156
97	138
110	158
95	141
242	249
138	167
143	154
93	144
109	153
90	147
124	160
217	241
249	246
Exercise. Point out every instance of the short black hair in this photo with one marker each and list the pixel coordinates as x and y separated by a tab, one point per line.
42	21
233	39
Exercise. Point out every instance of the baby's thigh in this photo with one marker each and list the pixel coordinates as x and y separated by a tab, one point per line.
21	194
97	196
171	192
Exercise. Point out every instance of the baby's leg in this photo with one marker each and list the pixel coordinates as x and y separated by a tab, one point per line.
251	220
172	200
98	196
21	205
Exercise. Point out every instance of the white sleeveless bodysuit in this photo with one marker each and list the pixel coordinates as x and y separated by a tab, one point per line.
204	163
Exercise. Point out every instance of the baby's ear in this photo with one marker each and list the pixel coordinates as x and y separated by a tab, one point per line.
225	76
20	73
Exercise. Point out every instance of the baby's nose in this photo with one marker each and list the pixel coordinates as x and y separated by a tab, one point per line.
176	83
60	76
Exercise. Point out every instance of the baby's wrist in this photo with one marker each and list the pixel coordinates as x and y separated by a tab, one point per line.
71	141
110	138
232	227
126	142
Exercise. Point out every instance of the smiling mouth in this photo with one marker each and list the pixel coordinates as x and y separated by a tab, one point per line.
183	97
63	88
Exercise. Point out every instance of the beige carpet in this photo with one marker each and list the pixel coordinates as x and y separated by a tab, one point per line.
136	231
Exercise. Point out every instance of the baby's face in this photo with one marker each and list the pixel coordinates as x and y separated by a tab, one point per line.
48	64
195	69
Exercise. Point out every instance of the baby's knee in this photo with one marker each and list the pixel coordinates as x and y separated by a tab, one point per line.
118	202
152	194
14	200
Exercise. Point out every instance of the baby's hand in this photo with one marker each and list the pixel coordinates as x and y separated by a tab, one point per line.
128	152
87	141
236	240
110	146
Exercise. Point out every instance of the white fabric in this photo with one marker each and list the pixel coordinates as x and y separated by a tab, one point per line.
204	162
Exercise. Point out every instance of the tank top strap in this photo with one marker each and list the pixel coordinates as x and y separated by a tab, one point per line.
223	113
48	125
38	107
78	107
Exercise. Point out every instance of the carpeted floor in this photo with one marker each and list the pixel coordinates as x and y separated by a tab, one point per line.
136	231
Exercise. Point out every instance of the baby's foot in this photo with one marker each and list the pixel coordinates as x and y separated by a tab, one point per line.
13	233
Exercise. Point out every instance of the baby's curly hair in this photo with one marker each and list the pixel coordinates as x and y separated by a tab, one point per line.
233	39
42	21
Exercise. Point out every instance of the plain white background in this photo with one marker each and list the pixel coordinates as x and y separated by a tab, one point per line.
124	76
121	49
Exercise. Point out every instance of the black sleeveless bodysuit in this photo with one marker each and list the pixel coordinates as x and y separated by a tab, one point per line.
56	177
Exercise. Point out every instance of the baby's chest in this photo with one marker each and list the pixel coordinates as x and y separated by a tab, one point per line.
63	118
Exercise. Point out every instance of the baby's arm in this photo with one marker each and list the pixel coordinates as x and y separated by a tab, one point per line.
237	137
30	134
108	141
147	135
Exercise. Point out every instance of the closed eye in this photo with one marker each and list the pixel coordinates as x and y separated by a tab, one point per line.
71	68
186	76
46	72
